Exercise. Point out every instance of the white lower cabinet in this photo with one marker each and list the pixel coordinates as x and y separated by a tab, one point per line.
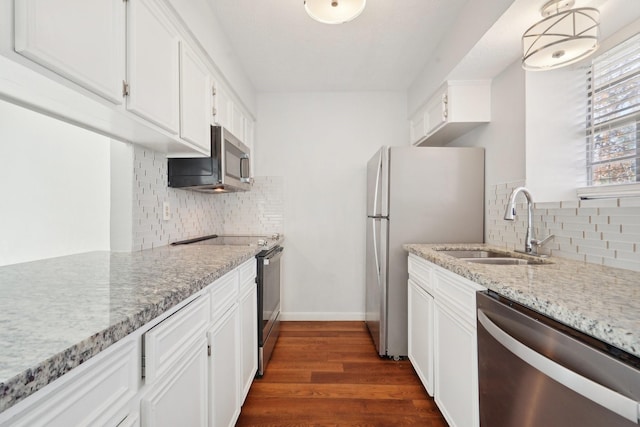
192	367
421	308
100	392
180	399
224	370
248	307
442	336
175	365
456	371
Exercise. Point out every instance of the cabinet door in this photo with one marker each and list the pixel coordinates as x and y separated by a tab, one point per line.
222	107
248	339
437	112
224	370
456	369
421	349
180	399
152	65
81	40
194	99
237	122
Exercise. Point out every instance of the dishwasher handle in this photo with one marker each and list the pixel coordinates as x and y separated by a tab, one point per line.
273	256
613	401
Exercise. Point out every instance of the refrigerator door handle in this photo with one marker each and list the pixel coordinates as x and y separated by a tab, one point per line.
375	248
377	190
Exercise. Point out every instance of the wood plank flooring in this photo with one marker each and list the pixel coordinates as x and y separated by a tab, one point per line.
329	374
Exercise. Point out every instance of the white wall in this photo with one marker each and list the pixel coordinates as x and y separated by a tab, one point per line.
320	144
55	187
556	106
503	138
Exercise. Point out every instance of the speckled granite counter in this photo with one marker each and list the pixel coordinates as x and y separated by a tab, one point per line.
57	313
600	301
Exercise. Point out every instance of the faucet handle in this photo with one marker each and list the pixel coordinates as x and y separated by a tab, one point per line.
537	244
540	243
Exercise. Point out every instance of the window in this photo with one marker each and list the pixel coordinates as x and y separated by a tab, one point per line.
613	116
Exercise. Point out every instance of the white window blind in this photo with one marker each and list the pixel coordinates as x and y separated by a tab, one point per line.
613	116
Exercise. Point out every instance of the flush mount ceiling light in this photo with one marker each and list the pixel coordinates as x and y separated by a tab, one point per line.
334	11
563	37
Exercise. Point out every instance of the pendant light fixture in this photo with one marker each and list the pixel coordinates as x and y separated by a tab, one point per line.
562	37
334	11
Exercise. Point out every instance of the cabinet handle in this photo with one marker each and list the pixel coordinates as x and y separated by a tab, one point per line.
214	111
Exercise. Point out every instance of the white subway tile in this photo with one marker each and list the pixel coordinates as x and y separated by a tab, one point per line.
621	237
599	203
590	252
610	228
628	256
625	220
547	205
629	202
622	246
590	244
570	204
618	263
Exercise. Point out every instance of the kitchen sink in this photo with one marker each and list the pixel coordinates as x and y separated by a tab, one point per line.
482	256
500	261
474	254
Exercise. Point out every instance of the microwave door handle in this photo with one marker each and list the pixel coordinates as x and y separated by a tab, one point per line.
244	167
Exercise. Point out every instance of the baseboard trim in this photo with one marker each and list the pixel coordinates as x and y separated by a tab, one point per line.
314	316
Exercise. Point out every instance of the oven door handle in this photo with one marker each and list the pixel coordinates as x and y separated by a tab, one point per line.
613	401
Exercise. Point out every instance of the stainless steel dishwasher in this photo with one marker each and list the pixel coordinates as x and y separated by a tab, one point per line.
535	372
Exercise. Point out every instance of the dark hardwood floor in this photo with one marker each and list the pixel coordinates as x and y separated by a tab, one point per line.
329	374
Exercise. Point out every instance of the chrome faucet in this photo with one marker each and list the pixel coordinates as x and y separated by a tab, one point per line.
529	242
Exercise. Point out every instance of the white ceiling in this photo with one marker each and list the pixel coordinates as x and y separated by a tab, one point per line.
282	49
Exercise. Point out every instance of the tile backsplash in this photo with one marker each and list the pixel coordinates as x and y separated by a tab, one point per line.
598	231
259	211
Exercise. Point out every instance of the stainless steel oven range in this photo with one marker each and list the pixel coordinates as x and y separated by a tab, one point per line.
267	281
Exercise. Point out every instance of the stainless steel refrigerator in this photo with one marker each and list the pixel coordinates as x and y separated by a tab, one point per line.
414	195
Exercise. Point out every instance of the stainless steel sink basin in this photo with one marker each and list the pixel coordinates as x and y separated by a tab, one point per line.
474	254
500	261
481	256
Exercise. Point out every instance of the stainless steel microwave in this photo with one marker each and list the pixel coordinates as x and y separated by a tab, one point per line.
227	169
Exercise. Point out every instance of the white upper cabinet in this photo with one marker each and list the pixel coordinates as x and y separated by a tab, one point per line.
237	122
222	105
194	99
152	66
136	55
453	110
83	41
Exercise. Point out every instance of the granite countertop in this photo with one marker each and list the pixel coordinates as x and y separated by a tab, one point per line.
600	301
59	312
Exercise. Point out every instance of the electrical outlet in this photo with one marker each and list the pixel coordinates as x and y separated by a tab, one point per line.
166	211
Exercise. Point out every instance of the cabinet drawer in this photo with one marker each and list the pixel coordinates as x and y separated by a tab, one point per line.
164	344
420	271
457	293
248	272
224	293
96	393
